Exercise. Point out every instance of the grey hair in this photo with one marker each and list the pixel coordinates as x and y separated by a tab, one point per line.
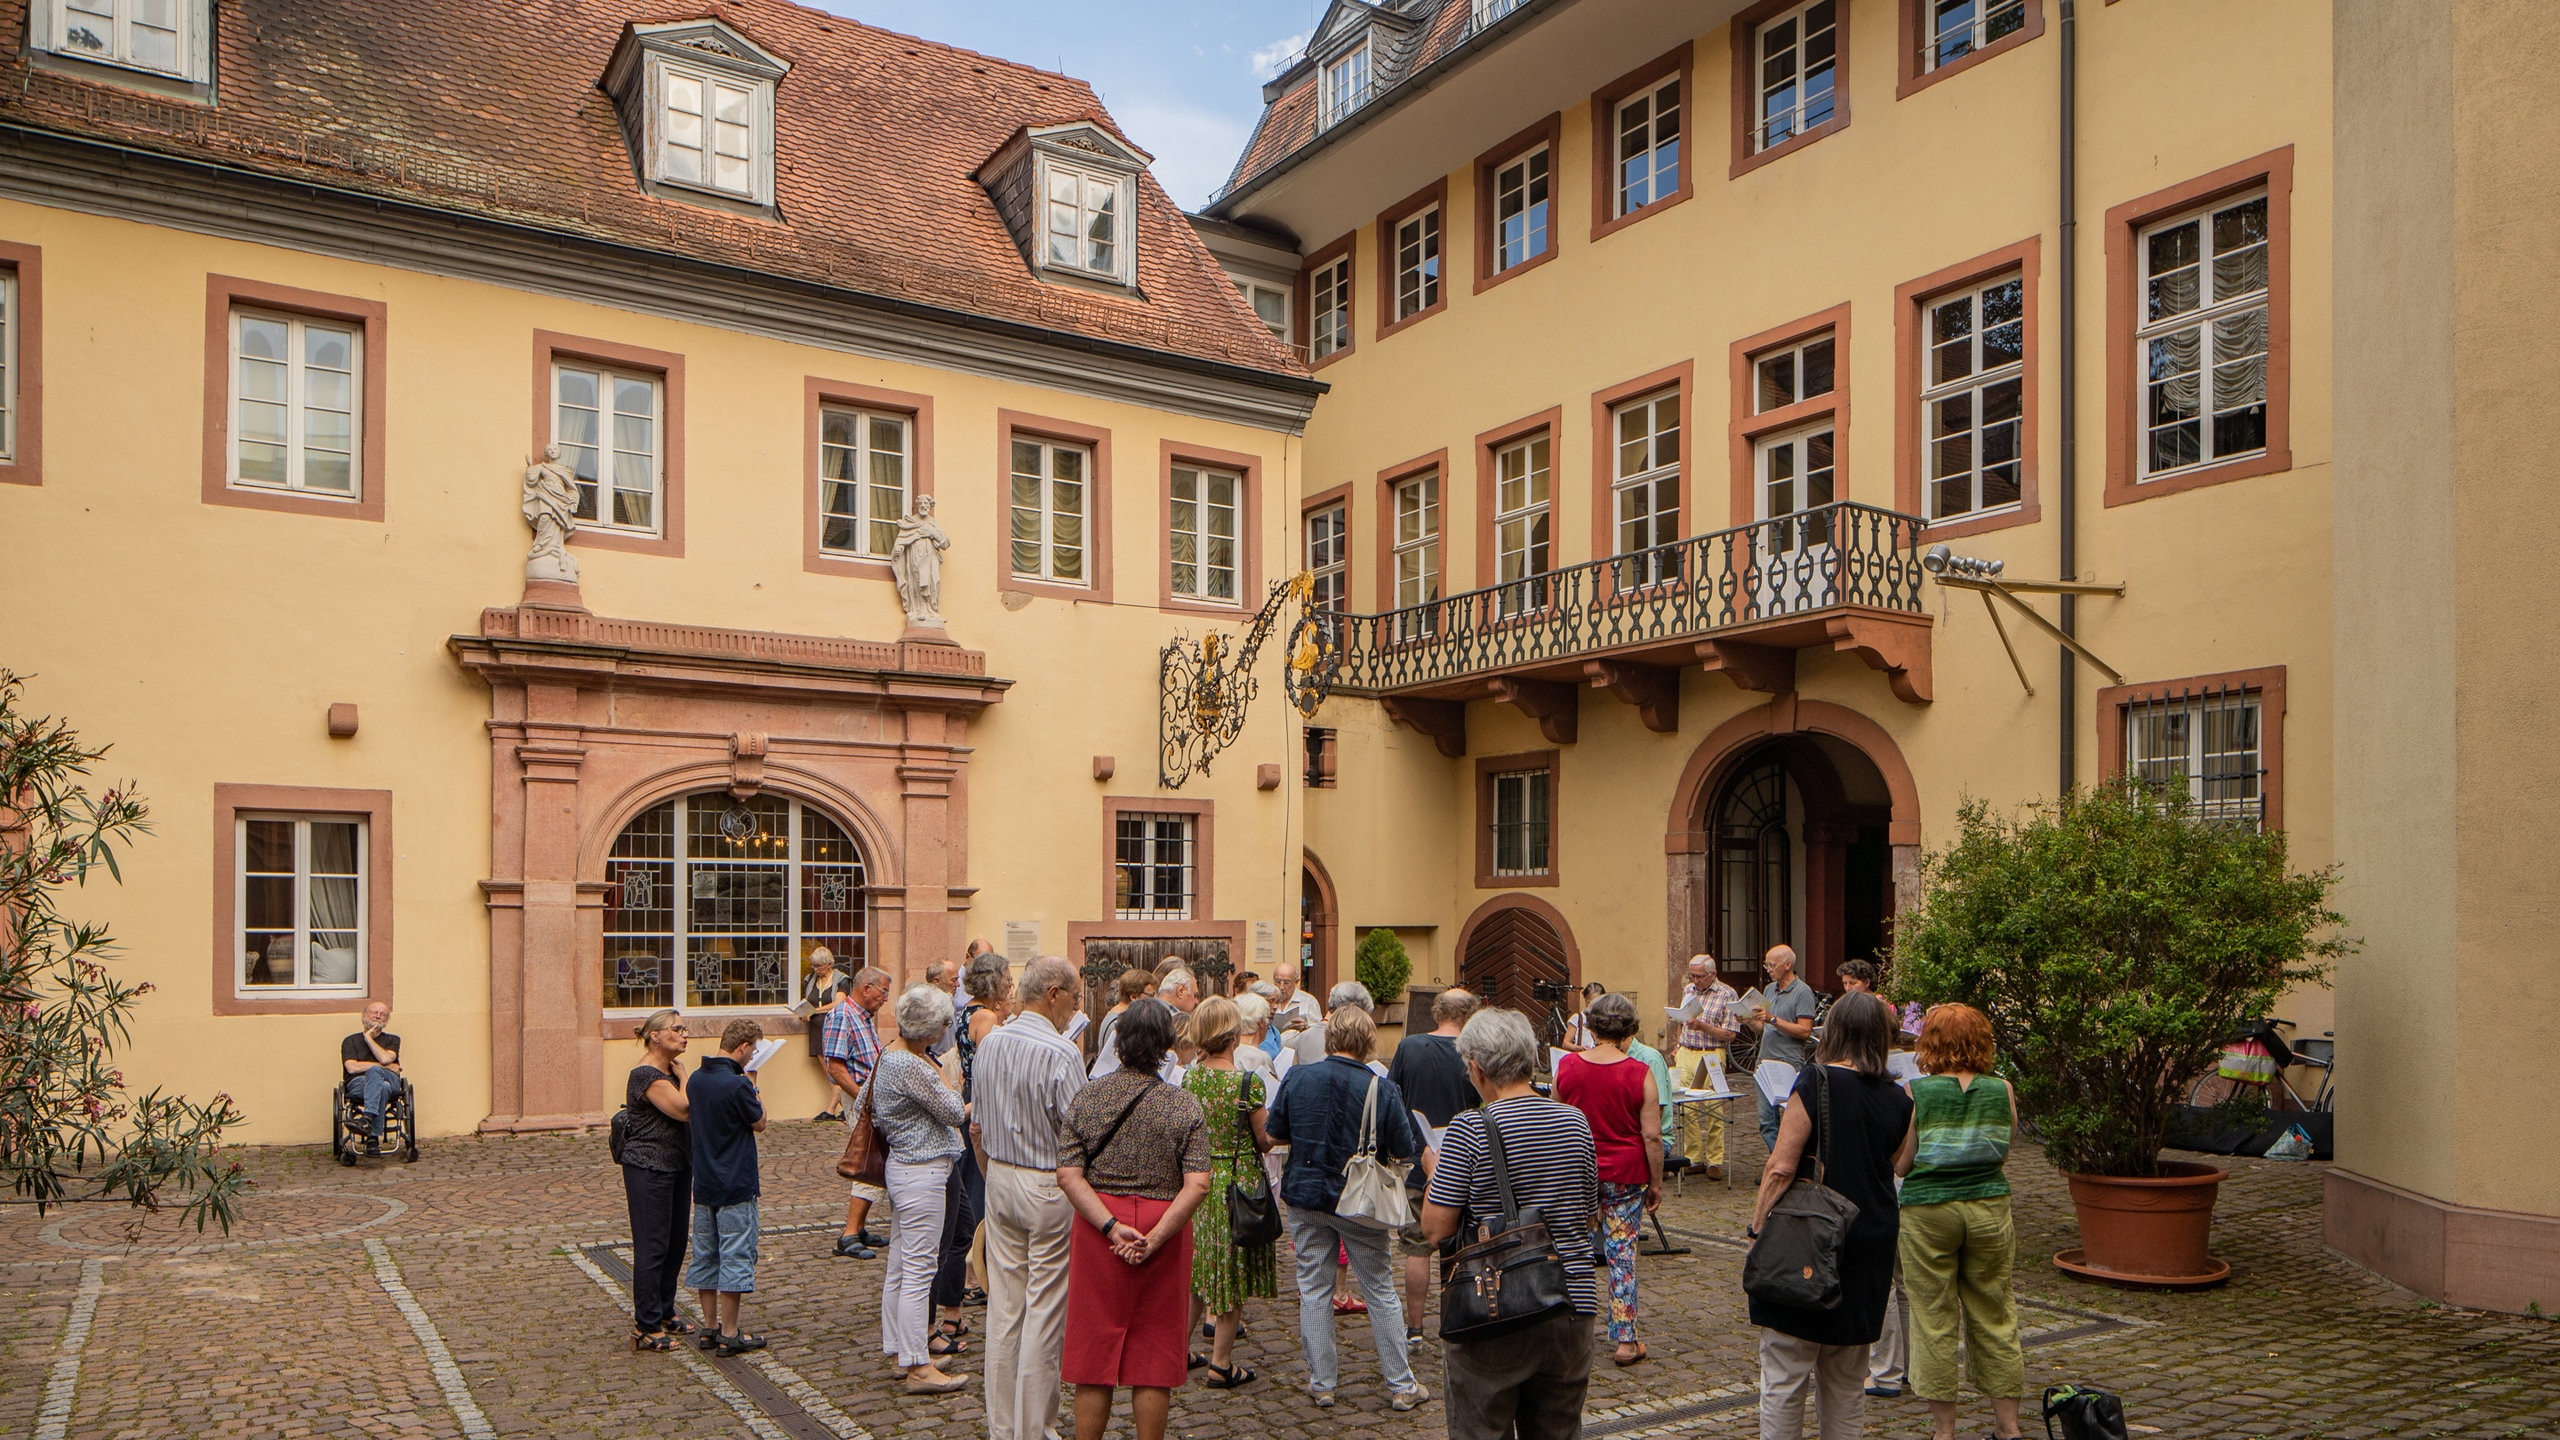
1175	979
1500	1043
1253	1011
1045	974
986	977
923	1013
1350	992
869	976
1266	990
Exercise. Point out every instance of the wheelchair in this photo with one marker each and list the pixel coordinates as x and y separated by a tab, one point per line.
347	1132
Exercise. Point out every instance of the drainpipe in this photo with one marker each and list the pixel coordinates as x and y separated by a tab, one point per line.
2069	418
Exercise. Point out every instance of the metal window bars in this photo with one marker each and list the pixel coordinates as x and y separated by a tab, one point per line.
1832	556
2205	741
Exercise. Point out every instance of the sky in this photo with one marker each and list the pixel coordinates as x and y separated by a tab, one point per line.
1183	77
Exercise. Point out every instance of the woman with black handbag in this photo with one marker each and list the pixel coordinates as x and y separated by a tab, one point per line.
1515	1307
1233	1230
1821	1263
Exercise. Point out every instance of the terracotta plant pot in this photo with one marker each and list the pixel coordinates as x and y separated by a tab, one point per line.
2147	1232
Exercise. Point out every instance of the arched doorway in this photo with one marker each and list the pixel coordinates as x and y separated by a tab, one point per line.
1319	920
715	902
1796	824
1516	951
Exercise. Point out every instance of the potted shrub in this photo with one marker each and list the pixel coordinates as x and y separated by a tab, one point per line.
2116	939
1382	964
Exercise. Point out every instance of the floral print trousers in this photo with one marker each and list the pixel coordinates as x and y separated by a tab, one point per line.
1621	1222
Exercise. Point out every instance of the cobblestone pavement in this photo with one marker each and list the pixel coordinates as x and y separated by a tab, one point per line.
477	1292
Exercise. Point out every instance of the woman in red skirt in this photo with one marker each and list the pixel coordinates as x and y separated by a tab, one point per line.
1133	1158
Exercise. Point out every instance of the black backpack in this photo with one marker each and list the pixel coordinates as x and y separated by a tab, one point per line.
2086	1413
1796	1260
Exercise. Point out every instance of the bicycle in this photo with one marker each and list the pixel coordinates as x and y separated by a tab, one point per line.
2257	1063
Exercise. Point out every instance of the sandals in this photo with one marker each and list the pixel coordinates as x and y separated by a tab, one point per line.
652	1340
1227	1377
678	1325
738	1344
1199	1361
973	1296
952	1328
1638	1358
943	1347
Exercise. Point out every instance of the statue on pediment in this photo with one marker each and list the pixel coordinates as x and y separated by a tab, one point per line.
916	562
551	508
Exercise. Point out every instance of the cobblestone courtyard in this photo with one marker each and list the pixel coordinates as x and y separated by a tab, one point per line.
477	1292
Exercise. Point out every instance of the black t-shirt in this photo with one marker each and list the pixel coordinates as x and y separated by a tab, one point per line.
1434	1080
1868	1118
356	1049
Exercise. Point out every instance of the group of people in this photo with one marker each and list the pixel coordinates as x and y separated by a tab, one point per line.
1109	1190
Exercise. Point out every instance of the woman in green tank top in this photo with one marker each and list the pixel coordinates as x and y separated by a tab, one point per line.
1958	1241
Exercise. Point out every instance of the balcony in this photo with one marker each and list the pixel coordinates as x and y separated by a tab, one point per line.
1743	601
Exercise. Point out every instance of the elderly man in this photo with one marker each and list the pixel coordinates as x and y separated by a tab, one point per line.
1434	1080
1707	1032
1179	989
1292	1009
1785	1026
371	1059
1026	1073
852	1046
1307	1046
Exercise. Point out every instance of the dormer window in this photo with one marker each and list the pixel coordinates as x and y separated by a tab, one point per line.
1346	84
1069	194
162	37
697	101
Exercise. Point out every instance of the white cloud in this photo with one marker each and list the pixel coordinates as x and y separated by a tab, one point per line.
1195	149
1273	58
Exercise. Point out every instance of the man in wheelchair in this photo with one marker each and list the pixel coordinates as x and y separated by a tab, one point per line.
371	1058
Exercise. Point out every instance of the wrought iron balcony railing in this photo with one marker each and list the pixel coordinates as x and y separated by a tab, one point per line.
1830	558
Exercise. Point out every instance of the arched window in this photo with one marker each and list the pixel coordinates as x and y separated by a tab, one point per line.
1754	889
717	902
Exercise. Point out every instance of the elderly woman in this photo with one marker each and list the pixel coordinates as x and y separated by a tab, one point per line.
1253	1025
1531	1382
989	985
1233	1102
916	1108
1320	1113
1618	1095
1822	1354
1132	986
1133	1159
825	988
657	1180
1958	1241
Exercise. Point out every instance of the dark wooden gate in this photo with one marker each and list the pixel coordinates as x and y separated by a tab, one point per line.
1206	958
1511	953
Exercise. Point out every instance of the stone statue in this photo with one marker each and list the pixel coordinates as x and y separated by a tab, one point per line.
551	508
916	561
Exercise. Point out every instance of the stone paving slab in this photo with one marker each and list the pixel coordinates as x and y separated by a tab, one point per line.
283	1327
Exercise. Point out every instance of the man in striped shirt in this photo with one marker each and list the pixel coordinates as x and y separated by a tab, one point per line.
1025	1075
850	1044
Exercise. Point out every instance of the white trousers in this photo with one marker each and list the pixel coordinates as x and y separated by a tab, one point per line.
915	1248
1028	1224
1834	1377
1889	1359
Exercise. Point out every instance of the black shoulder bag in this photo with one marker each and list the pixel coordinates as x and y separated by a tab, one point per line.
1253	1219
1509	1281
1796	1262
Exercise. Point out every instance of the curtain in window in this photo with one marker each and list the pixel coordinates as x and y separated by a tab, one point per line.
333	903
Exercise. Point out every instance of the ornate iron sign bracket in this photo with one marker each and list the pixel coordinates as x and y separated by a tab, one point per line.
1208	684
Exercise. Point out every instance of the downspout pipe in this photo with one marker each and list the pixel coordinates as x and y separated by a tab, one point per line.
2068	422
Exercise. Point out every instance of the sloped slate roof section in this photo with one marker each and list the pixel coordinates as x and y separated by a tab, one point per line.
496	108
1437	27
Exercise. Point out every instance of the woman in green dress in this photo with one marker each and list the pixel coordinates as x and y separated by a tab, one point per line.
1223	1276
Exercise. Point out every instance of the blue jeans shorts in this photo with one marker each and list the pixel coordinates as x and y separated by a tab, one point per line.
724	1248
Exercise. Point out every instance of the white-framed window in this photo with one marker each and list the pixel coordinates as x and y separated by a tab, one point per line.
1520	209
1417	262
1523	802
1644	493
1796	472
1084	225
1345	86
1155	866
1973	400
296	383
1792	373
1328	557
1488	11
8	364
300	899
1329	306
2203	337
708	130
2208	745
1523	518
1957	28
1417	554
1799	54
864	477
1648	146
606	423
156	35
1049	498
1208	508
1270	304
716	902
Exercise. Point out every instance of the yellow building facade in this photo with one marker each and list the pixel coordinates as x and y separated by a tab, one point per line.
277	414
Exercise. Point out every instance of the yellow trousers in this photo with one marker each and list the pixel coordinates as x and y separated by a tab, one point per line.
1956	1257
1700	1127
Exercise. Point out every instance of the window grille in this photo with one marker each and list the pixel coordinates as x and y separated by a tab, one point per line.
716	902
1155	867
2206	742
1522	804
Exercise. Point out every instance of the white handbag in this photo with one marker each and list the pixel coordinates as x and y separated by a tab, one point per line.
1372	1189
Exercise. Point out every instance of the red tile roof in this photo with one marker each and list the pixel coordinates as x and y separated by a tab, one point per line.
492	107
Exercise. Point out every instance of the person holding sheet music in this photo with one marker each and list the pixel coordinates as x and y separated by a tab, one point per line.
1784	1022
1705	1026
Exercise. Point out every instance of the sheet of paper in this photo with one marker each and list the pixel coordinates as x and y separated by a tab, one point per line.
1683	1014
765	1050
1703	1095
1902	1065
1751	1002
1281	1062
1777	1080
1555	1059
1712	1071
1076	1027
801	1008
